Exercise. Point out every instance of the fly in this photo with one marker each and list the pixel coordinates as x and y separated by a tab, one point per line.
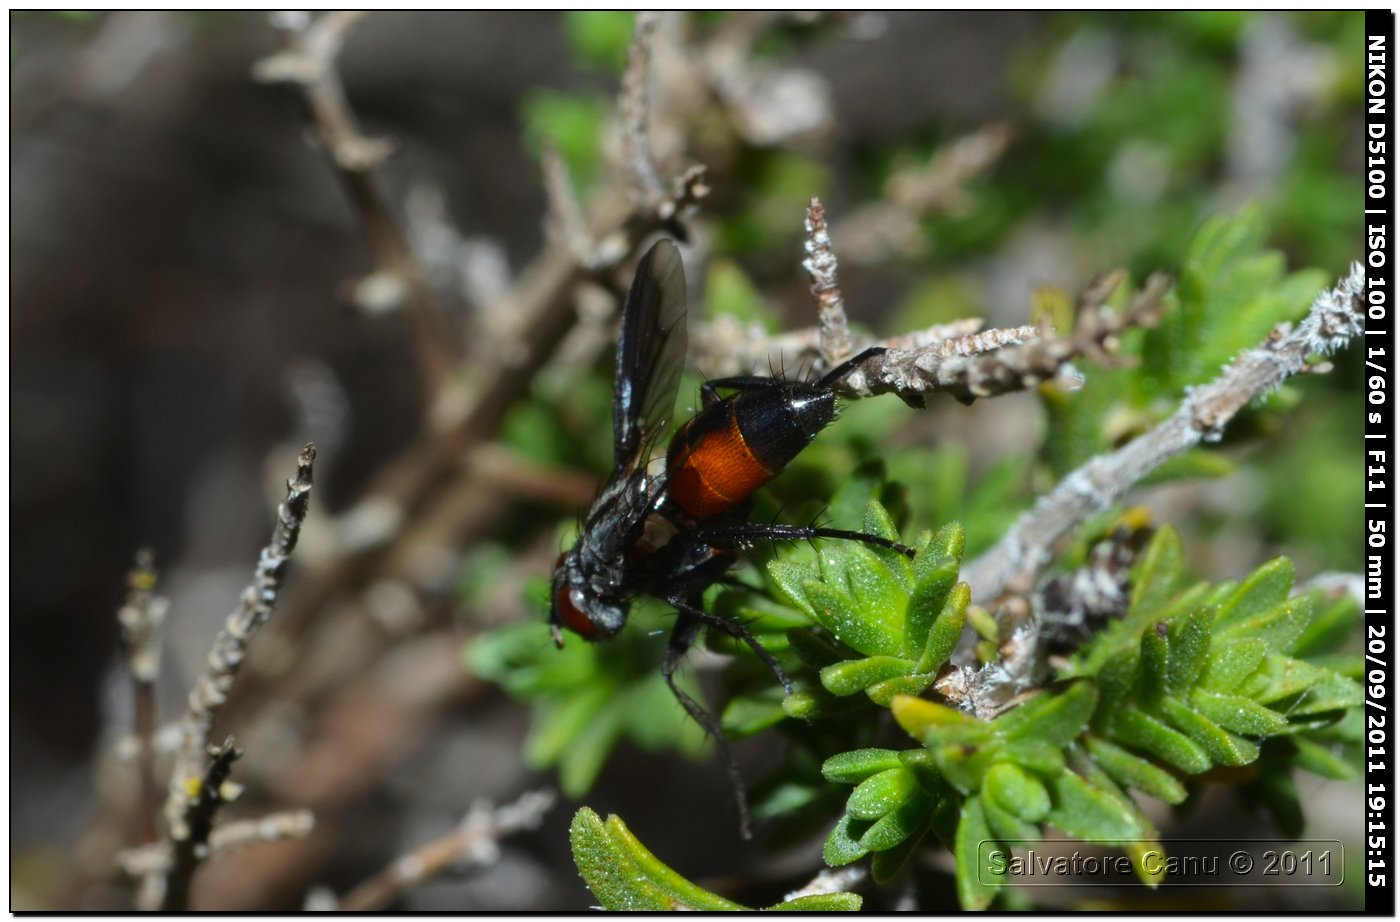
674	532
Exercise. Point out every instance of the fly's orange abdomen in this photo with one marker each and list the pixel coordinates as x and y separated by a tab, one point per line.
733	447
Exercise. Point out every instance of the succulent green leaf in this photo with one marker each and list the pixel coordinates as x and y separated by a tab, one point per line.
947	629
1055	717
1009	787
881	793
1006	825
1223	747
790	581
1323	760
852	676
1239	715
926	604
1329	628
815	649
919	717
882	693
1132	727
1154	658
821	902
1263	589
843	844
1189	639
1134	772
886	863
1035	755
625	876
898	824
746	715
974	837
1158	572
1229	664
871	631
1090	813
858	764
1278	626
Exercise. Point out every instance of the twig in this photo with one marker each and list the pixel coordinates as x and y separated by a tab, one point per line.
564	220
231	645
141	619
1334	319
644	184
274	827
834	336
203	798
308	62
978	367
473	842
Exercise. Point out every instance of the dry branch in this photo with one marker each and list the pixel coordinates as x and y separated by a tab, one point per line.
141	619
1334	319
231	645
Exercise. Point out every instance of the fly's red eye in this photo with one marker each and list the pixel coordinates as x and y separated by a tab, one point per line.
568	602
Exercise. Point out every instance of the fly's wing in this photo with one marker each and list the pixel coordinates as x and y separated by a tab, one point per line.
650	352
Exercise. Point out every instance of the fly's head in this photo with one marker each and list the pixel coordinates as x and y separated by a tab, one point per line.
588	606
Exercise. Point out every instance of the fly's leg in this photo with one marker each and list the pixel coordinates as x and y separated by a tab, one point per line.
733	536
735	630
682	636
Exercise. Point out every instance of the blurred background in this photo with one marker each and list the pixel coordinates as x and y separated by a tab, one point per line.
192	298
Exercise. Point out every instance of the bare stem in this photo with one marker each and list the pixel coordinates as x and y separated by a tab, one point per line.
141	619
644	179
231	645
309	63
834	334
1334	319
203	798
474	841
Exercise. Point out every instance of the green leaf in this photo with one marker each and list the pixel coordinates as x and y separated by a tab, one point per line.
624	876
842	844
1239	715
1263	589
947	629
1322	760
1157	573
1142	731
1229	664
858	764
1190	641
821	902
1090	813
1008	787
1006	825
881	794
1278	626
926	604
1053	717
920	717
869	631
1130	771
899	824
882	693
975	890
887	862
790	581
600	37
1329	628
815	649
1223	747
852	676
746	715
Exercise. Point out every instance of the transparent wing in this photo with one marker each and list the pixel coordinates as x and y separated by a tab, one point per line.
650	353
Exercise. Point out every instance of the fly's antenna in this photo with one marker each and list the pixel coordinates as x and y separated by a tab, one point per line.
850	365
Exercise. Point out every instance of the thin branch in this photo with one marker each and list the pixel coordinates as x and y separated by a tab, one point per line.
309	63
966	370
231	645
141	619
644	184
473	842
203	797
1334	319
834	336
564	220
274	827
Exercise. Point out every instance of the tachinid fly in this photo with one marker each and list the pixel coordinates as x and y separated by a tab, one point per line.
672	533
